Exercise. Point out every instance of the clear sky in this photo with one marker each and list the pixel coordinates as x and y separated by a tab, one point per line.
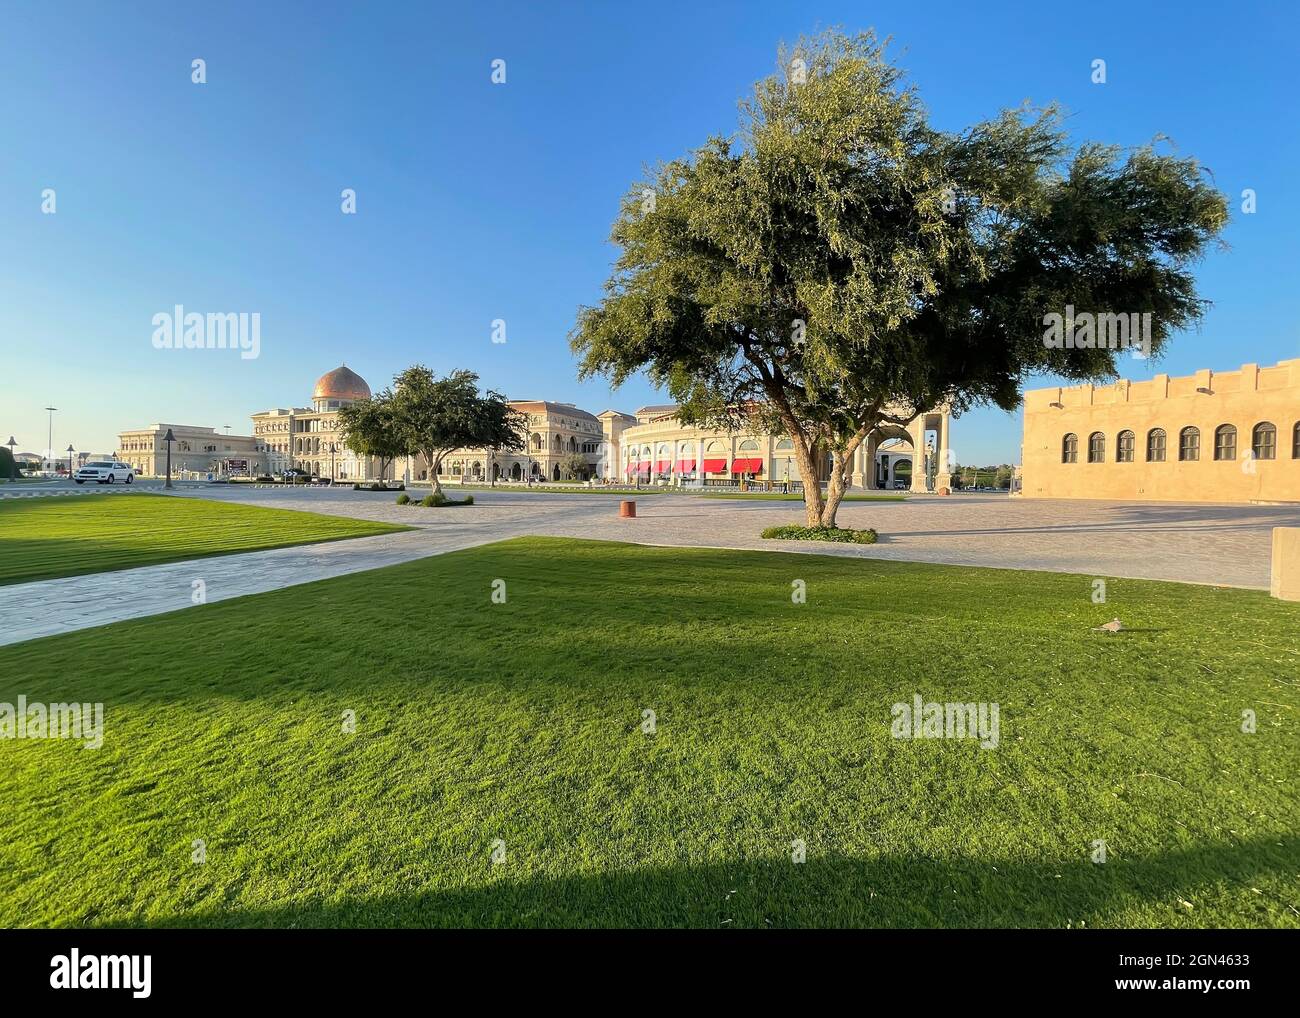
478	201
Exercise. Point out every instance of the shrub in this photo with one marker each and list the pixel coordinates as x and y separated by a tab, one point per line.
434	500
403	499
841	535
467	500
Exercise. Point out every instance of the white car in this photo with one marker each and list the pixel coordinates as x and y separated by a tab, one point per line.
105	472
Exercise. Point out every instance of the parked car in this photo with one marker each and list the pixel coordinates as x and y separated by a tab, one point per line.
105	472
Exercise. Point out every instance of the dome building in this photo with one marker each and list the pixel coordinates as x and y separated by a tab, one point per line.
337	388
309	439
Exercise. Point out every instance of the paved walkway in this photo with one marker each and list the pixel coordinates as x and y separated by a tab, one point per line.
1227	545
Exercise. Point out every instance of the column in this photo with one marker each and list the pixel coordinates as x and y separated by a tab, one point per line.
869	447
943	479
916	431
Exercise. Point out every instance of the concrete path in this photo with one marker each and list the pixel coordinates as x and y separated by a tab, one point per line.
1228	545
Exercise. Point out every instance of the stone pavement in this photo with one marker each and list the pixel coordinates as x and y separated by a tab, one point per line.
1217	544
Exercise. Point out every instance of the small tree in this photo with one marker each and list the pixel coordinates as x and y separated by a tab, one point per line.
841	265
573	465
436	415
369	428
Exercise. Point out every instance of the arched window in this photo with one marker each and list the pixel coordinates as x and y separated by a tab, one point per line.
1189	444
1225	442
1263	441
784	445
1295	441
1124	445
1156	445
749	445
1096	447
1070	448
714	446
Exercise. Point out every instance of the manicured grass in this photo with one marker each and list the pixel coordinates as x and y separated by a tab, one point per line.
780	497
68	535
522	721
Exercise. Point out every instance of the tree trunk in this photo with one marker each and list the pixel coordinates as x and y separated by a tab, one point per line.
434	467
841	467
812	489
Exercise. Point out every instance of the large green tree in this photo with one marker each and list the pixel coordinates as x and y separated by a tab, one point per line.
370	428
437	415
840	265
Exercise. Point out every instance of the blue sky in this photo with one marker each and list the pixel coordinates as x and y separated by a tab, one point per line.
479	201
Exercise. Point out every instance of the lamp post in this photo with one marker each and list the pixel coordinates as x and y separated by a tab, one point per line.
169	438
49	438
13	463
70	450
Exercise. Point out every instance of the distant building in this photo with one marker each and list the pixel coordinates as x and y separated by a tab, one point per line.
1231	436
561	442
309	439
194	450
656	447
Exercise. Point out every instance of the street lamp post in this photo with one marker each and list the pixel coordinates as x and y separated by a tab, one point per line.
169	438
49	438
70	450
13	463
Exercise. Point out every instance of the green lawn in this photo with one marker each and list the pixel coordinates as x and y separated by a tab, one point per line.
522	721
781	497
42	538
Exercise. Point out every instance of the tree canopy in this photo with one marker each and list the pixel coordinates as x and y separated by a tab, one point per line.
370	429
435	415
839	264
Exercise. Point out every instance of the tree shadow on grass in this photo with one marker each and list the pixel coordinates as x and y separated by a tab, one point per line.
1218	881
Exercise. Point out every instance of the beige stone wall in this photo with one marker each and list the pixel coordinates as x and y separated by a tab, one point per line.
1206	400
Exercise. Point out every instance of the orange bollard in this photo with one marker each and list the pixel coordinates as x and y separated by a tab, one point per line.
627	509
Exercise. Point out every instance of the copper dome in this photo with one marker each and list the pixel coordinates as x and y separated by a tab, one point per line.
341	383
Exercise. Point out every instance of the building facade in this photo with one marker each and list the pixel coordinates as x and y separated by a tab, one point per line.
309	439
1230	436
561	442
556	437
195	450
656	447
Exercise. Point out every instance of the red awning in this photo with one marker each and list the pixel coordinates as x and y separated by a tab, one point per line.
750	466
714	466
661	466
685	466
